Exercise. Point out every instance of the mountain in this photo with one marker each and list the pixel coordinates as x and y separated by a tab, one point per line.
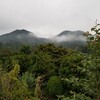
64	33
72	39
21	36
72	35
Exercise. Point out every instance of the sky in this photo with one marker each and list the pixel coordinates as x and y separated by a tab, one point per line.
47	18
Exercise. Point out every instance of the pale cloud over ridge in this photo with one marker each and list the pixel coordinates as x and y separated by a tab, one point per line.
48	17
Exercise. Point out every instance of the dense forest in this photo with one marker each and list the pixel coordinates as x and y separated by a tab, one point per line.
49	72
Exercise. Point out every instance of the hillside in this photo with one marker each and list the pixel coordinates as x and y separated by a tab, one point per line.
21	37
70	39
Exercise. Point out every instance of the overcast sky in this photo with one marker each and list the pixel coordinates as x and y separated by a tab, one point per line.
48	17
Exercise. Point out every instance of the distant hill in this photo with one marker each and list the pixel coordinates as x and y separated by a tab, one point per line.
21	37
72	39
64	33
72	35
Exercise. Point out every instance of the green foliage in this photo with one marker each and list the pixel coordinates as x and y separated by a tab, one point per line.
54	86
94	46
12	88
52	50
72	65
24	62
42	64
29	79
4	52
94	41
48	72
77	97
25	49
38	89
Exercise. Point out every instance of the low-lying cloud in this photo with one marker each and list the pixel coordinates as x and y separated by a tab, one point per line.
68	38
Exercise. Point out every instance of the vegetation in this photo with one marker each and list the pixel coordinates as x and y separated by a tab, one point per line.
49	72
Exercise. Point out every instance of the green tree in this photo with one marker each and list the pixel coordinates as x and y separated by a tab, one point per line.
42	64
55	86
30	80
75	74
38	89
94	47
24	62
12	88
25	49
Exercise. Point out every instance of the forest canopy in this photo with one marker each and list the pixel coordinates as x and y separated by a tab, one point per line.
49	72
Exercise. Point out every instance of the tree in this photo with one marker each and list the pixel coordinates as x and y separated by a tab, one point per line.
38	89
54	86
12	88
24	62
94	48
25	49
41	64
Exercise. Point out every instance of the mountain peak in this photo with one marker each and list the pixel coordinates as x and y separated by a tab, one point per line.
64	33
22	31
67	32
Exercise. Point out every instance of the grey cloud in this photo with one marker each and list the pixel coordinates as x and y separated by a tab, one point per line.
68	38
48	17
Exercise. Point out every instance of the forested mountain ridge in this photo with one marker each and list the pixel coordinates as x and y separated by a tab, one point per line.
72	39
21	36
